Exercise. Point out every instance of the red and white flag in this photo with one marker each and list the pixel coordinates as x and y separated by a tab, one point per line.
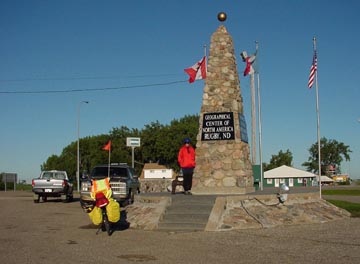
197	71
107	146
249	68
249	60
313	70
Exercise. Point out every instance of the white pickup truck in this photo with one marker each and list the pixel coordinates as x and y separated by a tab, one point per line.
52	183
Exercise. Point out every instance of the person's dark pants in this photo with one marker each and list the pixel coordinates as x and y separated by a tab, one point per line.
188	176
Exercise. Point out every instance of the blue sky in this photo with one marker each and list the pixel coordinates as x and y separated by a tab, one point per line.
88	44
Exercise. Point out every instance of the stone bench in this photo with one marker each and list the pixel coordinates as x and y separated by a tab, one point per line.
177	182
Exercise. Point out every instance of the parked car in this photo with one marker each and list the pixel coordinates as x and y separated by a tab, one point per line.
123	181
52	183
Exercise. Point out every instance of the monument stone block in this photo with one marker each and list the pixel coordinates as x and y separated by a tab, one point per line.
222	150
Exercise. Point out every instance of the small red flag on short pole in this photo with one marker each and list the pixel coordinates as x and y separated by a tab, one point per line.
108	148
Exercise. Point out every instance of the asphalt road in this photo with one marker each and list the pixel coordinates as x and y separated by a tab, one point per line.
55	232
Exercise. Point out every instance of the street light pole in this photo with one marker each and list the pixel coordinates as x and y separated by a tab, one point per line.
78	146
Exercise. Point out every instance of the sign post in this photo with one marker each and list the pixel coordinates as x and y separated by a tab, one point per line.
9	177
132	142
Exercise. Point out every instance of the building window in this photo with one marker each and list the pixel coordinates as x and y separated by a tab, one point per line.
269	181
282	180
300	180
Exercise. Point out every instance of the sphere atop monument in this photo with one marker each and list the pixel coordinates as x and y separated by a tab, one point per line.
221	16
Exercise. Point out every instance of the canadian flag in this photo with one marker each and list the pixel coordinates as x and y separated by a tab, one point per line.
197	71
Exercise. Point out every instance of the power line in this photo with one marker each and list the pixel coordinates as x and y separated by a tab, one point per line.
91	89
84	78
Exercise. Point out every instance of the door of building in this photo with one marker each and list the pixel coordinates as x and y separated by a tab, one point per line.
277	182
291	182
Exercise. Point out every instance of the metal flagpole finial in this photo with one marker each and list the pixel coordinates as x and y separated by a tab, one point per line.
221	16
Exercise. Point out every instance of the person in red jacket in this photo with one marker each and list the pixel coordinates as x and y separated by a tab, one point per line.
186	159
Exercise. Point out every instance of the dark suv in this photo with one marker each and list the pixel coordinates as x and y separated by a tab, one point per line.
123	180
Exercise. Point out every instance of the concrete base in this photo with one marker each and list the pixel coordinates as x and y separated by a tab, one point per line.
222	190
264	211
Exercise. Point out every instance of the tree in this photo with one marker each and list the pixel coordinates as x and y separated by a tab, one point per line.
159	143
282	158
332	153
52	163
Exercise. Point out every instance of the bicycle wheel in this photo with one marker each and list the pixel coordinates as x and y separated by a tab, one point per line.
106	224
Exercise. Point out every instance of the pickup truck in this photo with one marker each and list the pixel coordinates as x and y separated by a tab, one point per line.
123	181
52	183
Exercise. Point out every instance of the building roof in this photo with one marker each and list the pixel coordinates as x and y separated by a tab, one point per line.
153	166
324	178
287	172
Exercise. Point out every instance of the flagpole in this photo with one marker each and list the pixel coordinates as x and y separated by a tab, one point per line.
205	50
109	162
253	119
318	118
259	117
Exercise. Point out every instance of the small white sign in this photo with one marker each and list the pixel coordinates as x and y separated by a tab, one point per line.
132	142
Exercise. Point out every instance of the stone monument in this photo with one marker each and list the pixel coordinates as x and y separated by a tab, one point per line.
222	151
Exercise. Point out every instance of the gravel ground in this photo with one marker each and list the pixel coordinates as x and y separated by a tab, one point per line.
55	232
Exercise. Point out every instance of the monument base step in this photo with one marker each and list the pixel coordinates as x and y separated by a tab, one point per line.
222	190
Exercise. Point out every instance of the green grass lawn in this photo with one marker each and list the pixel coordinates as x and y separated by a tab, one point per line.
353	192
19	187
353	208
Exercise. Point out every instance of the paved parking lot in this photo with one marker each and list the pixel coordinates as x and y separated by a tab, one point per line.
55	232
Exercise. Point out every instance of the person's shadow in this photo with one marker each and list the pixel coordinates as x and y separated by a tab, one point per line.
122	224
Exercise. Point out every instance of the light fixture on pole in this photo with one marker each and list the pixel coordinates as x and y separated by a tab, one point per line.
78	146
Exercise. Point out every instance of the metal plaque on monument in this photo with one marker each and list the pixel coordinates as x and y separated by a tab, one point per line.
223	163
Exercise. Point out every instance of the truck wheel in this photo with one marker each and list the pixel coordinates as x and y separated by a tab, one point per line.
68	199
36	198
131	197
71	198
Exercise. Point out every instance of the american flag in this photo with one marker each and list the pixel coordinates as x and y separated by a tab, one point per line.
313	70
